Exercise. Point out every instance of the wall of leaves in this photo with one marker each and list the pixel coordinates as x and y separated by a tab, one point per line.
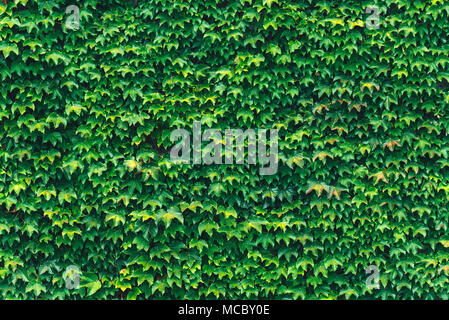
86	178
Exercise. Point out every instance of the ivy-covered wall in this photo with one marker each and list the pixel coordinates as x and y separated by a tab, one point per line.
92	205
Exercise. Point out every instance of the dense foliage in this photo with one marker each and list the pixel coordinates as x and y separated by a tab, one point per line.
86	175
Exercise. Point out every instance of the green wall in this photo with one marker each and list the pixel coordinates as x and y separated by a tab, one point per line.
87	183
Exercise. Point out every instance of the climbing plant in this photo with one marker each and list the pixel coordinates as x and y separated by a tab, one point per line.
92	90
